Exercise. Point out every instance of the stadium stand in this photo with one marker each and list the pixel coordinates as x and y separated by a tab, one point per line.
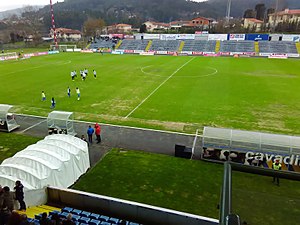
237	46
278	47
79	217
199	46
159	45
133	44
99	43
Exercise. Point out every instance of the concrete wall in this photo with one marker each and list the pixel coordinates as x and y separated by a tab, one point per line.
128	210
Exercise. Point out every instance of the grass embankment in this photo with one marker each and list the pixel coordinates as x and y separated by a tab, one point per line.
11	143
190	186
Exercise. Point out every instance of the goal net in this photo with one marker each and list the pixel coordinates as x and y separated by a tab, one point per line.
8	56
63	48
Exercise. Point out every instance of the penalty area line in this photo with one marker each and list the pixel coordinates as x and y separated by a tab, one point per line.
169	77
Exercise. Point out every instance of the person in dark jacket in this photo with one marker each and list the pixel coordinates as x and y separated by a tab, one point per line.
44	220
90	132
8	199
20	194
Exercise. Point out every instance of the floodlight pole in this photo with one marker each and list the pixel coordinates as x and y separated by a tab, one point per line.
53	23
228	11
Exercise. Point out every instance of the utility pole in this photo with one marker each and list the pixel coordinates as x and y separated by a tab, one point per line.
53	23
275	16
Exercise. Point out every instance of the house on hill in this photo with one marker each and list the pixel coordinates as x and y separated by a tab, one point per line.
287	15
252	23
65	34
121	28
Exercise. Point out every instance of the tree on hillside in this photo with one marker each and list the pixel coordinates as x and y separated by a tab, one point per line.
249	13
143	28
260	11
93	27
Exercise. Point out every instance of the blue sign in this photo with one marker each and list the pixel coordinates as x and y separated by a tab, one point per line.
257	37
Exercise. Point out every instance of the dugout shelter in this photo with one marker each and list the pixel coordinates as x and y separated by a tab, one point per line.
251	148
60	122
7	119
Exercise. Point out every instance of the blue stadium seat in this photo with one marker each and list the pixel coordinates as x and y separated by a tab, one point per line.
94	216
132	223
94	222
83	224
35	221
67	209
76	211
113	220
54	212
75	217
84	219
104	218
105	223
85	214
63	214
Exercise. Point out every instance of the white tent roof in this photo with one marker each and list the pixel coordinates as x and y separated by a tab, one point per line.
58	160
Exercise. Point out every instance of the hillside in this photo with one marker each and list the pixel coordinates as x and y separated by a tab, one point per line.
72	13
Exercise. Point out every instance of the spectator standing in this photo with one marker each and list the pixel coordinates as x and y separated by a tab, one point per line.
55	220
276	166
90	133
19	192
98	132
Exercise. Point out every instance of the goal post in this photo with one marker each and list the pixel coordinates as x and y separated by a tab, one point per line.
63	48
8	56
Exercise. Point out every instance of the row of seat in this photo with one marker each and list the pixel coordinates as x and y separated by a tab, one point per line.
278	47
237	46
81	217
159	45
199	46
134	44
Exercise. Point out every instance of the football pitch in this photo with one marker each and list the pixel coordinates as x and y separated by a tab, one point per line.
162	92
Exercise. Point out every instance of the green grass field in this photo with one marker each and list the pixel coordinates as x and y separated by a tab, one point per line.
10	144
191	186
186	185
162	92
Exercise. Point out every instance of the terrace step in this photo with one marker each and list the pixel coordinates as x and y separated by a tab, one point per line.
298	47
256	47
218	45
148	46
181	46
118	44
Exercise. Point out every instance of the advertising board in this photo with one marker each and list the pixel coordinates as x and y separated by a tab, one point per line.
217	37
236	37
257	37
291	37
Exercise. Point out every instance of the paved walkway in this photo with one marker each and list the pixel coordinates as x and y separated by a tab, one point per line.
113	137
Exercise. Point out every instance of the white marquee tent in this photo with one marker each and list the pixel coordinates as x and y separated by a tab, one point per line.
58	160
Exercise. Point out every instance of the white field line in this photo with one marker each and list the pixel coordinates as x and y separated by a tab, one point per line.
145	99
36	67
34	125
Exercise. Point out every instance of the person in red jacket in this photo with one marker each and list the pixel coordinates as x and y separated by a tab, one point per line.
98	132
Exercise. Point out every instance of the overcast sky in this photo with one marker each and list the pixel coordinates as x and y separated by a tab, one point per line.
13	4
